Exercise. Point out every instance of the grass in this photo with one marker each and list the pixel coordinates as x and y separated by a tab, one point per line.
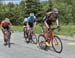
18	28
65	29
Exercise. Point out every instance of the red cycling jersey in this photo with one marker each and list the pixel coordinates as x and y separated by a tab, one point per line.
4	24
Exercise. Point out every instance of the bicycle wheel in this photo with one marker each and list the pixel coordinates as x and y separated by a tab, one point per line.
57	44
34	39
41	41
8	41
25	33
27	37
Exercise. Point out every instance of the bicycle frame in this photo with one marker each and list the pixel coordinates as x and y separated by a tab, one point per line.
49	34
50	39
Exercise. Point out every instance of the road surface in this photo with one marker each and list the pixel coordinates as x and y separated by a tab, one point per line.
19	49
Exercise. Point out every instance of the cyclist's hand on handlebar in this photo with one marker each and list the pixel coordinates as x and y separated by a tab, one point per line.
48	29
58	28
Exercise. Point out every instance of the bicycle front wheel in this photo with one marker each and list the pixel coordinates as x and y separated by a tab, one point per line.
41	41
8	41
57	44
34	38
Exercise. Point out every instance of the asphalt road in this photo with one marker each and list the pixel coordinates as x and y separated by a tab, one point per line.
19	49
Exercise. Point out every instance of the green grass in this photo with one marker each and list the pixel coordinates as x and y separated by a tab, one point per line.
18	28
65	30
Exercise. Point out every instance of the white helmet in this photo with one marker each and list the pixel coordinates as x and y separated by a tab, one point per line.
55	10
31	14
7	20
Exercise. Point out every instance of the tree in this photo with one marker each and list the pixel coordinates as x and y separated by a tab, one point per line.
50	4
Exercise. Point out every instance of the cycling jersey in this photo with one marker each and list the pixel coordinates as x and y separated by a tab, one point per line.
5	25
50	18
31	19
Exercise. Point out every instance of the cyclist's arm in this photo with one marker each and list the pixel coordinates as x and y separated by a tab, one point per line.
35	21
45	18
34	24
57	22
46	24
11	27
1	25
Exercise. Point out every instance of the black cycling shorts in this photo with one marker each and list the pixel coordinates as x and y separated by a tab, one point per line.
49	22
30	24
7	27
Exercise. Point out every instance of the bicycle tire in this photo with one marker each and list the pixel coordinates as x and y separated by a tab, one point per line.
53	44
25	33
34	39
26	36
41	41
9	44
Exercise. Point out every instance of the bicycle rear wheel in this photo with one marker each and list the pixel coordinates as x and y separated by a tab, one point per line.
57	44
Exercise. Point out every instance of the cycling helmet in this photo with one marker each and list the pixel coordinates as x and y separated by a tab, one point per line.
31	14
7	20
55	10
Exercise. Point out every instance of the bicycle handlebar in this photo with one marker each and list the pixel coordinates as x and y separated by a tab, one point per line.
56	27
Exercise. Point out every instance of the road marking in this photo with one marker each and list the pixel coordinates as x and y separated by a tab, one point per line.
71	43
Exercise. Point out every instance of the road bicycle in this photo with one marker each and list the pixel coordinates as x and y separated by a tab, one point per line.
7	37
29	35
48	38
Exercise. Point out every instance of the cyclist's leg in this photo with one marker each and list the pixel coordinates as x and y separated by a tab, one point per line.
5	37
31	28
28	31
48	33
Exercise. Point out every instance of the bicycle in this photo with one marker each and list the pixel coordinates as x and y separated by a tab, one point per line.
50	38
7	36
30	36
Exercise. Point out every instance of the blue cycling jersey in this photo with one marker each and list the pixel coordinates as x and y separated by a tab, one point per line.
31	19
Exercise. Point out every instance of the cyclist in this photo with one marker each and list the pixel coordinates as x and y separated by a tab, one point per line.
31	21
5	26
51	16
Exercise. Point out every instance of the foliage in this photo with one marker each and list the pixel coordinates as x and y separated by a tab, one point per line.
17	12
